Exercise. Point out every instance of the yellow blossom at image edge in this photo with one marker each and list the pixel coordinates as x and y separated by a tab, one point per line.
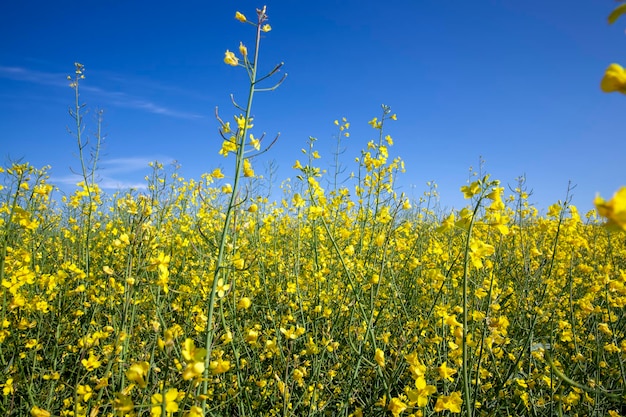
614	209
614	79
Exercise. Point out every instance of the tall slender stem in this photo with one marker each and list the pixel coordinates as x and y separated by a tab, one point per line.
219	267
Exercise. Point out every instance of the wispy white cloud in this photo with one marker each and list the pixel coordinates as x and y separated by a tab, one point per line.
126	165
113	98
118	173
150	107
111	184
131	81
105	183
33	76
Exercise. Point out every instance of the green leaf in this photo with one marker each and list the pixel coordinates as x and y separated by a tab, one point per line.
615	14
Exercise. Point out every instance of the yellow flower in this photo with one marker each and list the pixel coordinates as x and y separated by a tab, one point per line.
247	169
446	224
229	145
614	79
217	173
85	391
8	387
39	412
470	190
161	263
614	209
451	402
291	333
253	208
379	357
266	28
375	123
445	372
91	363
242	49
171	406
244	303
242	124
252	336
194	358
231	59
240	17
123	402
478	251
219	366
255	143
419	395
194	411
221	288
137	373
238	263
396	406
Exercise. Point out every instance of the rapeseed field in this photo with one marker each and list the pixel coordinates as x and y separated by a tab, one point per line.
203	298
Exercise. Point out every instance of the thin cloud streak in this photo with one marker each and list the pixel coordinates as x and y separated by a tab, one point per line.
33	76
105	183
108	176
114	98
125	165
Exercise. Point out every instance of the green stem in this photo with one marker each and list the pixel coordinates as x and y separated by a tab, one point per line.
466	380
241	140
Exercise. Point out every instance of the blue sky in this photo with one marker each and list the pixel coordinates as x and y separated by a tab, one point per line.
514	82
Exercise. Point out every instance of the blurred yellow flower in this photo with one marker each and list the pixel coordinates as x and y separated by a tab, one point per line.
240	16
194	358
247	169
291	333
266	28
39	412
222	288
229	145
375	123
137	373
451	403
614	79
8	387
419	395
238	263
217	173
231	59
195	411
219	366
471	190
255	143
446	224
244	303
396	406
379	357
445	372
91	363
242	49
171	406
123	403
614	209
